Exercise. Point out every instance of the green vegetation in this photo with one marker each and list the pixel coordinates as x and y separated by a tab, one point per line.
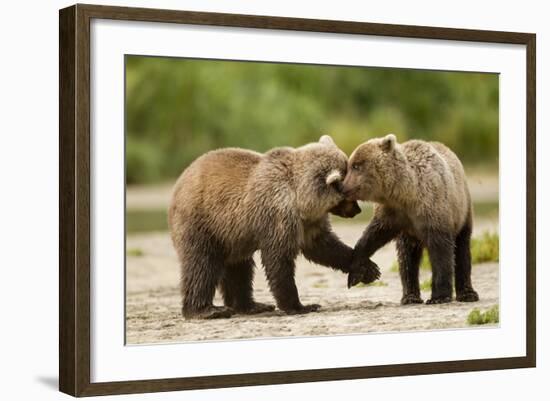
477	317
134	252
486	248
177	109
426	285
425	261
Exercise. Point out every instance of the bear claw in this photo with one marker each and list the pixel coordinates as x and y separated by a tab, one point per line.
467	296
411	299
435	301
255	308
363	272
303	309
212	312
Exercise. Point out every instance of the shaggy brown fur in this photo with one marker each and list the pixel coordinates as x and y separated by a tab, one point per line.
231	202
422	200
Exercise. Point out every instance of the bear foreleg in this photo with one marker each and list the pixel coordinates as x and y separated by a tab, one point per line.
279	268
378	233
327	250
236	288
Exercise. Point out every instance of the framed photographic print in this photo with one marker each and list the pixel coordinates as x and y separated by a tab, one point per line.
250	200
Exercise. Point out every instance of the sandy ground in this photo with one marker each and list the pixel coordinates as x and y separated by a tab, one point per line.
153	301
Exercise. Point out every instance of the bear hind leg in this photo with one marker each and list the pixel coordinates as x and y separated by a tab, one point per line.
200	274
463	267
442	258
409	253
236	288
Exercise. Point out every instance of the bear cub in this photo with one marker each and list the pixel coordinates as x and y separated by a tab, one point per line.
231	202
422	200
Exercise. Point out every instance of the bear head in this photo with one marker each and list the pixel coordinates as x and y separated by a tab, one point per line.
319	174
376	168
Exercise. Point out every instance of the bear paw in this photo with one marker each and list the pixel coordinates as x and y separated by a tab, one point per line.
439	300
211	312
411	299
467	296
255	308
364	271
303	309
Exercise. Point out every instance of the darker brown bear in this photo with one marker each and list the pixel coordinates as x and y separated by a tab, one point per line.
231	202
422	200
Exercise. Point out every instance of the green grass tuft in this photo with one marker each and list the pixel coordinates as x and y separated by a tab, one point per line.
134	252
485	248
425	261
426	285
477	317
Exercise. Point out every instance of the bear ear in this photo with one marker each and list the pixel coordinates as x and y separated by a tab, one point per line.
327	140
388	142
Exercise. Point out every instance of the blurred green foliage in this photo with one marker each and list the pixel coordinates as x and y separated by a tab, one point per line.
177	109
486	248
137	252
426	285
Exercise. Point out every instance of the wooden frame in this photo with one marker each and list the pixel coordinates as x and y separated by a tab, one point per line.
74	199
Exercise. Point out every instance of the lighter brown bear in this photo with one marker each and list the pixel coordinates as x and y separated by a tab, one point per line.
231	202
422	200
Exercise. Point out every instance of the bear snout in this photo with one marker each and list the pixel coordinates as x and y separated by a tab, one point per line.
338	185
350	187
346	208
353	209
350	191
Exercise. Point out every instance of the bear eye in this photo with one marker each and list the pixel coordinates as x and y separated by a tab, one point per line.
356	166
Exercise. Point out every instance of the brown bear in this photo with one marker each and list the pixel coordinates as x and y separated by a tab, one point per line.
421	199
231	202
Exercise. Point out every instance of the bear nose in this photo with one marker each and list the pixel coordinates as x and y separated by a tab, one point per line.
339	186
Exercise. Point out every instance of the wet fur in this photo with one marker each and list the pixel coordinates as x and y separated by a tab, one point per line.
421	200
231	202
